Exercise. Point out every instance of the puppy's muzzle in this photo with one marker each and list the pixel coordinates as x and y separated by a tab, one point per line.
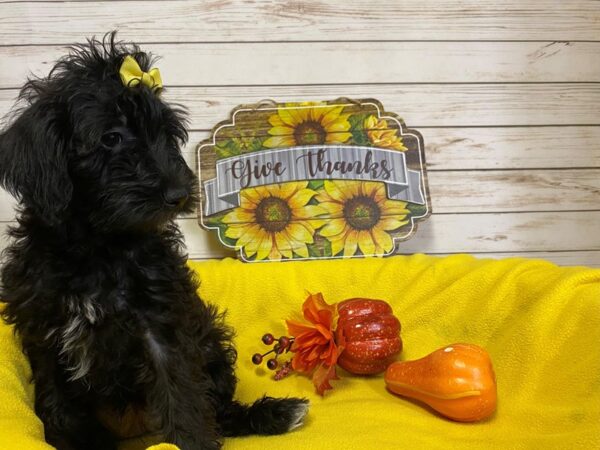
176	197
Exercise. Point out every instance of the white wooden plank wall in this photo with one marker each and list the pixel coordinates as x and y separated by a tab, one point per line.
506	95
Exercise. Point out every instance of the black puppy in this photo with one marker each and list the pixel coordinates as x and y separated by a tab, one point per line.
96	281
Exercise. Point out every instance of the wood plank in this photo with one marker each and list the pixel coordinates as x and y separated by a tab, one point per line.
520	190
204	245
7	206
510	148
502	232
494	148
345	62
421	105
326	20
489	191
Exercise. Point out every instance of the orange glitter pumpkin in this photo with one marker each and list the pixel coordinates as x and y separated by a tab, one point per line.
371	335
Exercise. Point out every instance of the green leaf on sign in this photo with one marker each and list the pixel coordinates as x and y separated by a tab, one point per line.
416	209
226	240
326	248
359	135
227	149
315	184
319	249
251	144
215	219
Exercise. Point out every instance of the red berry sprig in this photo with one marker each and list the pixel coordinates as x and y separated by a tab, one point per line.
281	345
284	371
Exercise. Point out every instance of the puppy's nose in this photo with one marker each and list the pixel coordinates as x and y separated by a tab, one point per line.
175	197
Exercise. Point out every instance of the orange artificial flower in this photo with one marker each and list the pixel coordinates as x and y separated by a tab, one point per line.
315	349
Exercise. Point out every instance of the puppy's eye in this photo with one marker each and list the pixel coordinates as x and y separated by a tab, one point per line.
111	139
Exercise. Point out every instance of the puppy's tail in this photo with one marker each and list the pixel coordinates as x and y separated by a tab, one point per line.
265	416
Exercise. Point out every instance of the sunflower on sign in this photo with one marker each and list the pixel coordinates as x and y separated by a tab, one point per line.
362	217
274	221
380	135
308	124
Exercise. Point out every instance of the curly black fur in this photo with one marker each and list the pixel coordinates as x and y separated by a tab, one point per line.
96	281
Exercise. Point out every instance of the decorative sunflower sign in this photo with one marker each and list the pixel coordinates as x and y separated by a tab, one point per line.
331	179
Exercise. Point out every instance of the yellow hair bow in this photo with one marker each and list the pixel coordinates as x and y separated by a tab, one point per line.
132	75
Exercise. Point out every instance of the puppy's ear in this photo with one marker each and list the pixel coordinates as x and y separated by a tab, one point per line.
34	162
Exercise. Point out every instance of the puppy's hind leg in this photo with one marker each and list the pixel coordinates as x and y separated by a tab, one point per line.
265	416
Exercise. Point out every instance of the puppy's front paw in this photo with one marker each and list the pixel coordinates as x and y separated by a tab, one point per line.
278	415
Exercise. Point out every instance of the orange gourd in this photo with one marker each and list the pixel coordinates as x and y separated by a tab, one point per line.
457	381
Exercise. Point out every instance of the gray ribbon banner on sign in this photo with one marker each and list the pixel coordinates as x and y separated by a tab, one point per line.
311	162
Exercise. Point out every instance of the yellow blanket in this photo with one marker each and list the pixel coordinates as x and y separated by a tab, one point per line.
539	322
